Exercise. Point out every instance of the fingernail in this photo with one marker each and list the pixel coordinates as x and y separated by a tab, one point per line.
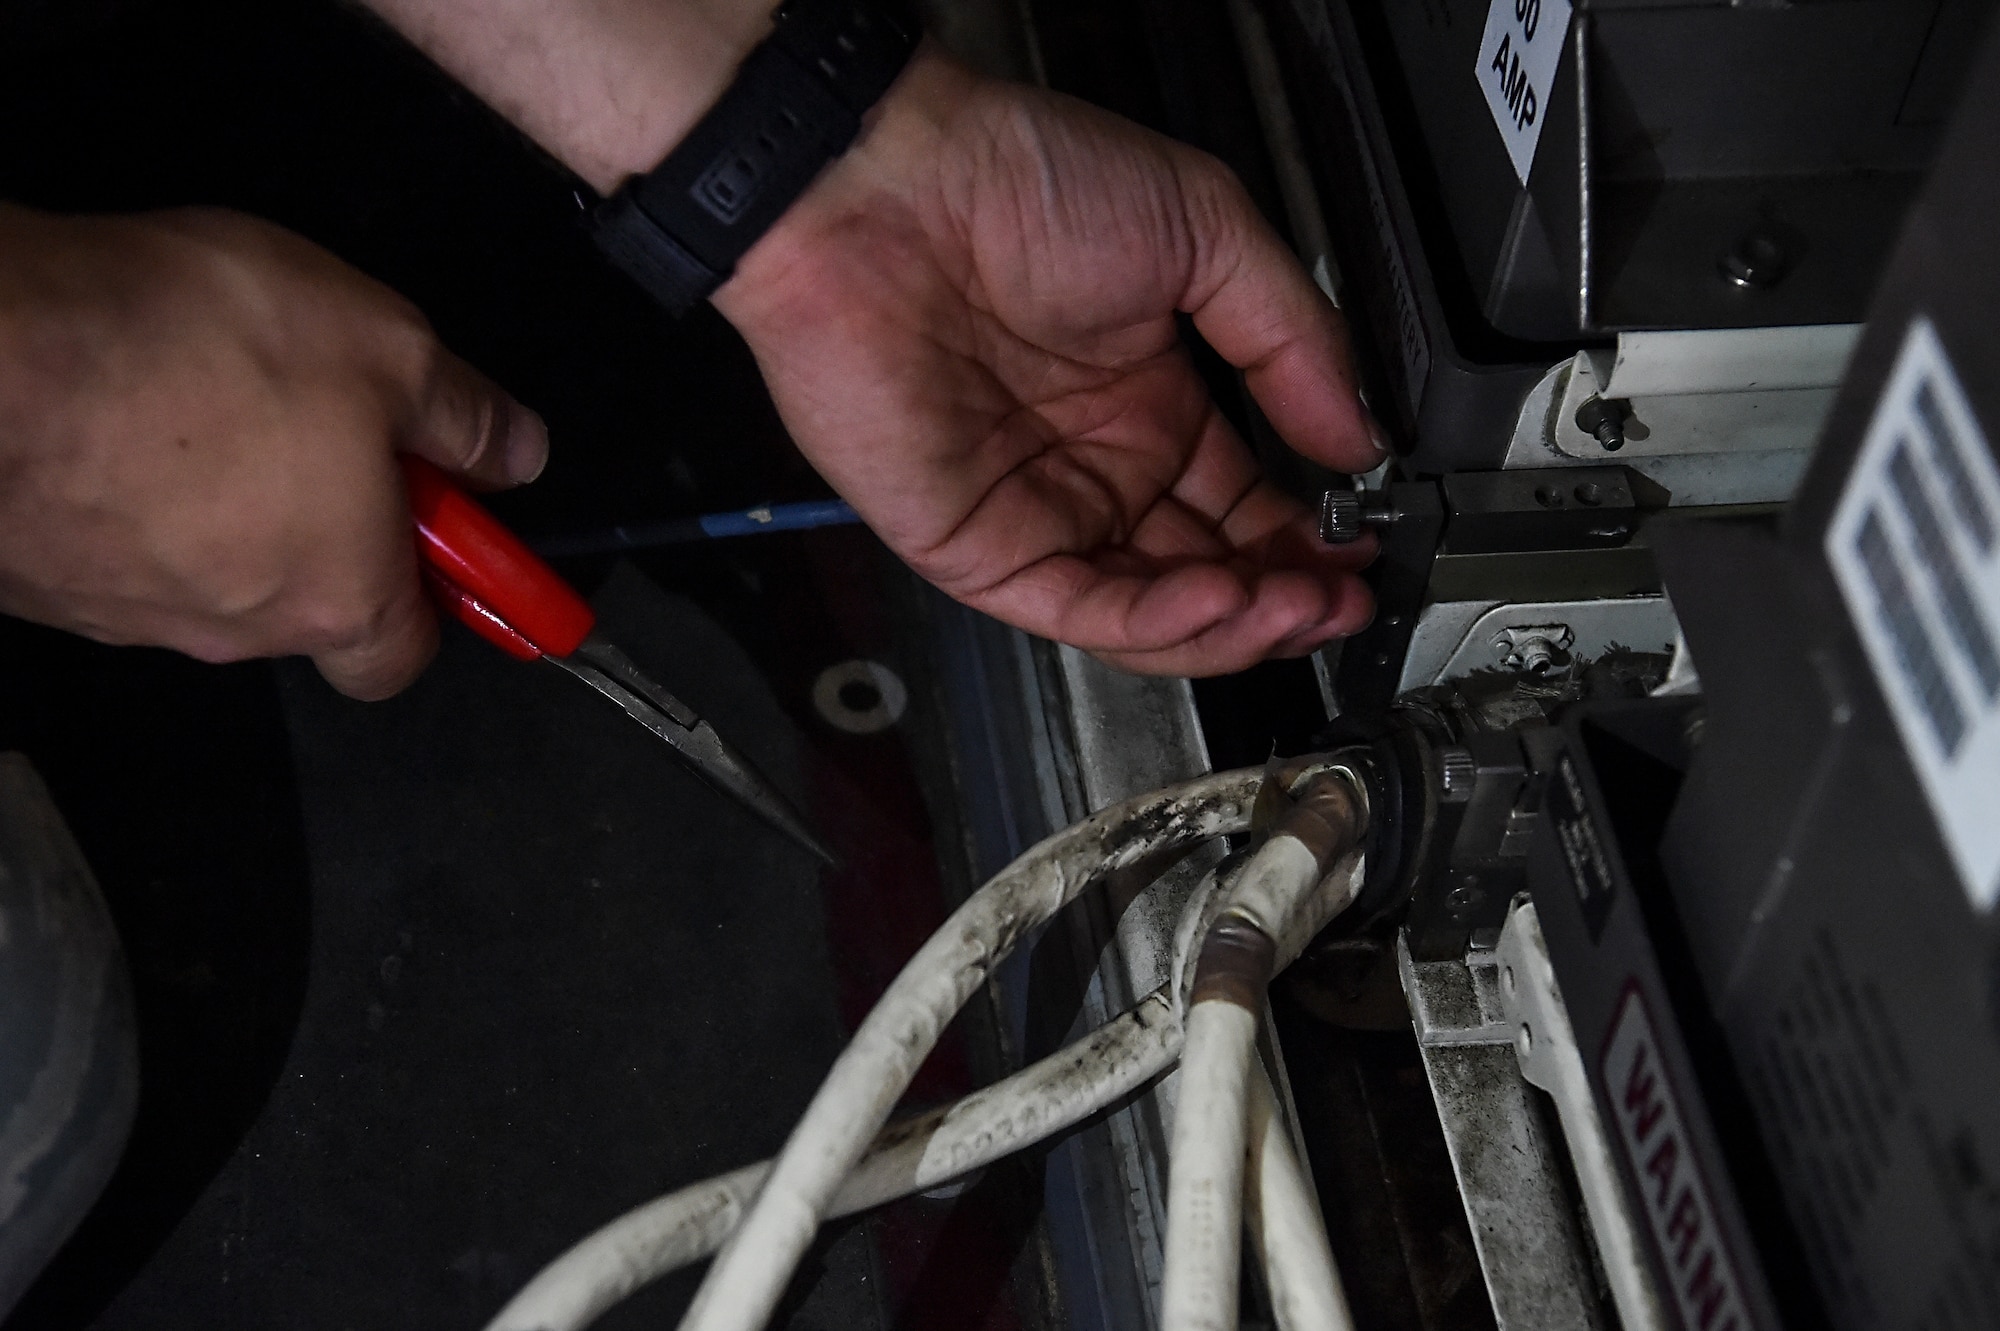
526	447
1379	437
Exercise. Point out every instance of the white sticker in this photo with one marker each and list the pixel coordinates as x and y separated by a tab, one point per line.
1915	545
1517	66
1678	1208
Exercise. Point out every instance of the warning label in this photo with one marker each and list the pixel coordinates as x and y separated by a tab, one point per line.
1679	1211
1915	545
1517	67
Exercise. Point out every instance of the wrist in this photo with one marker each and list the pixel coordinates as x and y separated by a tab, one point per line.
607	88
889	172
797	105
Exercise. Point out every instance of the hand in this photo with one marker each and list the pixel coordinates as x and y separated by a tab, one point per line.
198	419
968	325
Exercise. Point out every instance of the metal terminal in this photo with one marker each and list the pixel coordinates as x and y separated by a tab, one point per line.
1603	419
1344	514
1457	774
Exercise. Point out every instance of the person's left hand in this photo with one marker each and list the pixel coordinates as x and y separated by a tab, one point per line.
969	326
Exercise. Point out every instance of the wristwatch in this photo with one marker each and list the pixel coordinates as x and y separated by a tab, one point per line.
796	104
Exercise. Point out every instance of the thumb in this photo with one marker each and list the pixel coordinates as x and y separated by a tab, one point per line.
467	424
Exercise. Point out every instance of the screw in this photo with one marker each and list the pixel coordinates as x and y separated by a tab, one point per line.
1757	262
1340	517
1345	513
1603	419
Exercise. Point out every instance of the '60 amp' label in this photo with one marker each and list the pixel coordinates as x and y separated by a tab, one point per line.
1915	546
1518	56
1679	1209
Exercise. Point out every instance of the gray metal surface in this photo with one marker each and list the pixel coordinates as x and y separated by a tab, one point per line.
1676	363
1280	127
69	1063
1507	1160
1454	639
1723	390
1546	1052
1752	476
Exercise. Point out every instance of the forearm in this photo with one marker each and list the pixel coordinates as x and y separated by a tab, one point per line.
606	86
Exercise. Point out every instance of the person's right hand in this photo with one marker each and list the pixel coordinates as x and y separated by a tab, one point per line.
969	324
199	414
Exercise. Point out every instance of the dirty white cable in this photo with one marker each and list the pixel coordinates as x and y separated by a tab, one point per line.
1205	1170
932	1148
1286	1230
1280	1207
1280	1210
1205	1166
755	1264
912	1156
1286	878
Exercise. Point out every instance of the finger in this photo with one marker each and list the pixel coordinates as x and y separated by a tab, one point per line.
1265	525
1091	606
1296	543
1260	633
1256	305
1354	612
468	424
385	652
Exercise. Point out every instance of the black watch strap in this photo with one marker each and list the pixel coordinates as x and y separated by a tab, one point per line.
795	105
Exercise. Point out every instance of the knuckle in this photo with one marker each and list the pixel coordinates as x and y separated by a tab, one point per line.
350	617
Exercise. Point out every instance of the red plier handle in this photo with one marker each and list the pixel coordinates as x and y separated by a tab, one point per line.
484	575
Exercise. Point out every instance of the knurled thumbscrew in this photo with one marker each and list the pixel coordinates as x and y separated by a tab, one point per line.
1345	513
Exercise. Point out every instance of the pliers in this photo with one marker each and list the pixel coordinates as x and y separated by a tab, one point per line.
492	583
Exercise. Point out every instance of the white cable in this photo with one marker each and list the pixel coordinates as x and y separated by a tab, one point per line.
912	1156
1328	897
1280	891
933	1148
1205	1167
751	1272
1205	1171
1282	1215
1277	881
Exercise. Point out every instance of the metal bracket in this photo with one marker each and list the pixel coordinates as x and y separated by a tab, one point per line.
1545	1048
1506	1159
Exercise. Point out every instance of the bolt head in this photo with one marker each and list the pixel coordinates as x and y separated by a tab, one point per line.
1603	419
1757	262
1340	517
